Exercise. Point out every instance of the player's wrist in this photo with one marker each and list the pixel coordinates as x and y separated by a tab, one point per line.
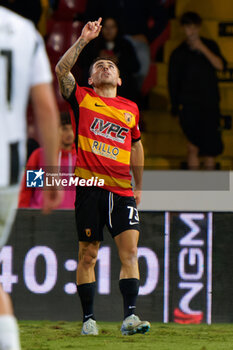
84	39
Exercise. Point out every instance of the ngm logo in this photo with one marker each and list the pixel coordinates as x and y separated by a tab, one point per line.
193	270
109	130
189	263
35	178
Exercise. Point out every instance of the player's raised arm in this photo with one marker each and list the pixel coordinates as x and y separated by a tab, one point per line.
66	80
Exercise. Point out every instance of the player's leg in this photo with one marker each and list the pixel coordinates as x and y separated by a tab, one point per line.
129	274
87	259
127	243
193	158
86	284
123	223
90	233
129	281
9	333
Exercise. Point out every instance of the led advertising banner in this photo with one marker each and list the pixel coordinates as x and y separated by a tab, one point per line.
185	265
38	268
190	270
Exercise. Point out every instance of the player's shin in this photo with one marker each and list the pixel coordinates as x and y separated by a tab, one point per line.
129	289
87	294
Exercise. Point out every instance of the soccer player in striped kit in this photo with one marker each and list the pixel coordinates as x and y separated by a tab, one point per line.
108	143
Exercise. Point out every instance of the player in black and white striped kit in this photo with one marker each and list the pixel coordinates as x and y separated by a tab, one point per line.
24	72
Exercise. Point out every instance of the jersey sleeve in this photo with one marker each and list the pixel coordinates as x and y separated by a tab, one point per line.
136	135
74	100
40	67
76	96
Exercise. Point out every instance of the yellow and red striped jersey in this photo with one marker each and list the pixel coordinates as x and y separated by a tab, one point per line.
104	128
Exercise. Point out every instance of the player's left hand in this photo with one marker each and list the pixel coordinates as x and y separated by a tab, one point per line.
52	198
137	196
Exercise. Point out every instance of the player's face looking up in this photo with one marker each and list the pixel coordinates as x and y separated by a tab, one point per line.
104	72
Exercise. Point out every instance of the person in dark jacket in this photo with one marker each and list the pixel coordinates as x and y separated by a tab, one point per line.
141	22
112	44
194	94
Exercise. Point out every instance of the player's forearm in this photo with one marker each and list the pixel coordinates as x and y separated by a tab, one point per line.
137	163
63	69
49	140
69	59
65	78
47	120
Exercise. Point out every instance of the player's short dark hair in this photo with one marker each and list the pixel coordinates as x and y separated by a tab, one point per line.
190	18
114	60
65	118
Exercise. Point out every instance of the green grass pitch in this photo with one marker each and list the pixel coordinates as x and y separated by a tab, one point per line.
46	335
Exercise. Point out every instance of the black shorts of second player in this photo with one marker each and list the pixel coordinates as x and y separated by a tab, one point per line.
96	207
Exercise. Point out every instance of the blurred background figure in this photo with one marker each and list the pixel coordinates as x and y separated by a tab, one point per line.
26	8
193	88
112	44
33	197
32	139
141	23
24	71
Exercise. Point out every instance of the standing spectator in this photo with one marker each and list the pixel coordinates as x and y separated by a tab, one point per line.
141	21
112	44
24	70
194	92
33	197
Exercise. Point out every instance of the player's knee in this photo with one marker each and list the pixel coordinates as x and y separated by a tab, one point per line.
129	256
89	260
88	257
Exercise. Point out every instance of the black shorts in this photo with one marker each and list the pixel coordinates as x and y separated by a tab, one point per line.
96	207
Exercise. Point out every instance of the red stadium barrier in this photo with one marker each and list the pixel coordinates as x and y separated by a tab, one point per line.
150	80
160	41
